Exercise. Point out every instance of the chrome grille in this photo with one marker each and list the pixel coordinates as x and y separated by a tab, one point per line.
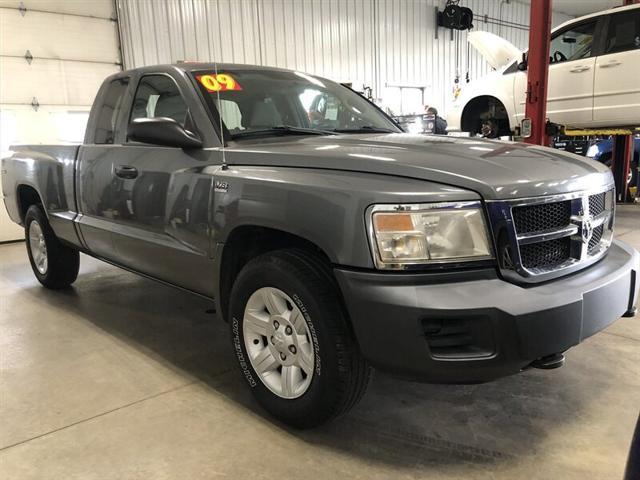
543	237
596	204
534	218
547	254
595	239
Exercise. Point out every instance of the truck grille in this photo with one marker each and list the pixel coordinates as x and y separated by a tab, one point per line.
595	239
545	255
533	218
596	204
540	238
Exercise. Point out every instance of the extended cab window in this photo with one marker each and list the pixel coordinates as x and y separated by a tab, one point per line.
107	120
624	32
158	96
573	44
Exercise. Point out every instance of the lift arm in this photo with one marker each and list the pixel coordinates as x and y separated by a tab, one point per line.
538	70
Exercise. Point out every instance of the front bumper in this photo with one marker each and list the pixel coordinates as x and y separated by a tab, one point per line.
473	327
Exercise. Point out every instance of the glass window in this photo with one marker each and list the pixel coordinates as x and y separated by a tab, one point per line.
322	109
230	113
264	101
573	44
108	115
158	96
624	32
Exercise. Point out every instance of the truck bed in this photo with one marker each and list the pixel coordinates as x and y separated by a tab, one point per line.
53	179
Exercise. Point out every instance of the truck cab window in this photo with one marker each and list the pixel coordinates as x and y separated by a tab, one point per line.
231	114
268	102
158	96
106	124
573	44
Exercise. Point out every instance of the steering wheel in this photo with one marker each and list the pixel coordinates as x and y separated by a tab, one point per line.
558	56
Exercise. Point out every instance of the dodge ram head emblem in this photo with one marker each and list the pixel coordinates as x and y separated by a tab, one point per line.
586	229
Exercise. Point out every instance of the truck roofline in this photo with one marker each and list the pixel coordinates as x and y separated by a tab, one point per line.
197	66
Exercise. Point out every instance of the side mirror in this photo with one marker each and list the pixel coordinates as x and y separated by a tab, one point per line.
162	131
522	66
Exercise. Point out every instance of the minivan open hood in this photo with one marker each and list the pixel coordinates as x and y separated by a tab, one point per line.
496	50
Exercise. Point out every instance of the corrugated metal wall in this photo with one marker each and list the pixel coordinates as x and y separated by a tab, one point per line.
367	42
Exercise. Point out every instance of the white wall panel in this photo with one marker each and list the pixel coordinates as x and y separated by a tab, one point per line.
58	36
74	44
52	82
372	42
90	8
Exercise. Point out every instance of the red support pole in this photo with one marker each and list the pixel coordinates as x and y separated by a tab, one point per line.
621	155
538	70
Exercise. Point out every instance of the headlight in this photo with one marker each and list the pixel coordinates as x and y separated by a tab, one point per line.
592	151
404	235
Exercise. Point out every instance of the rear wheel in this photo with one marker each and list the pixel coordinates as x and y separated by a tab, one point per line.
292	340
54	264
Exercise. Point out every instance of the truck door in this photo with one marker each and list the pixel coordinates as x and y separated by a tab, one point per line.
161	223
97	191
617	88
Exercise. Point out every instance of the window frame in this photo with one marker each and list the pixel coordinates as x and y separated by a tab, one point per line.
92	124
135	91
223	134
598	38
607	26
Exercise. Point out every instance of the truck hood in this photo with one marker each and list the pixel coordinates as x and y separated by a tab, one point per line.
494	169
495	50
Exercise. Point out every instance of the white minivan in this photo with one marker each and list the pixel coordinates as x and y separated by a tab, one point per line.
594	76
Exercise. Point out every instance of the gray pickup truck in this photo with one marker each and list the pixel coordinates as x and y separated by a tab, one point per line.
331	241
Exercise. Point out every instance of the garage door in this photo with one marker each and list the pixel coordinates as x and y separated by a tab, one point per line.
53	56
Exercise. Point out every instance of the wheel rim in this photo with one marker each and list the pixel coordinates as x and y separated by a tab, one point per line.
38	247
278	342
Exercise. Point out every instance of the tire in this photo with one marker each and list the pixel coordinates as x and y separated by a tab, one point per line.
339	375
61	263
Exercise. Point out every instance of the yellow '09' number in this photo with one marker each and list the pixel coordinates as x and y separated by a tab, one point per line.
219	82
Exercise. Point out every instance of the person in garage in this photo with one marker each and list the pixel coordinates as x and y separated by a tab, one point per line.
489	129
439	123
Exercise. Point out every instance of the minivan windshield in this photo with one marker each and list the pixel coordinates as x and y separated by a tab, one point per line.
279	102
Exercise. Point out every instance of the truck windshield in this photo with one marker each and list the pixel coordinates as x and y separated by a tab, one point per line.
273	103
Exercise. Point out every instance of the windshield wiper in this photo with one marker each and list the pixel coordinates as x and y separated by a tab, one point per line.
365	129
282	130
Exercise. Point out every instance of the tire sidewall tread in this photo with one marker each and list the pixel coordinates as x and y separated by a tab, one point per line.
63	261
339	372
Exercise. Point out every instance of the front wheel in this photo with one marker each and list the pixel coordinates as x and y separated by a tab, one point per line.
292	339
54	264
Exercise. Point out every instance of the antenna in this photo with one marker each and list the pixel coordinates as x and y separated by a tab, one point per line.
219	108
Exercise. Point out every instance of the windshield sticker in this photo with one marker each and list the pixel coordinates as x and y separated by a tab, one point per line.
221	82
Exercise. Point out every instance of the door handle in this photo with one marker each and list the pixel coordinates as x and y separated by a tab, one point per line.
125	171
581	68
611	63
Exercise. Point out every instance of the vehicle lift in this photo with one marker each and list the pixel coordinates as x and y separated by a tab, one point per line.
537	126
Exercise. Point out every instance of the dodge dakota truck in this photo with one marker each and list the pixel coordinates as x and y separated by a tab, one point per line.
331	241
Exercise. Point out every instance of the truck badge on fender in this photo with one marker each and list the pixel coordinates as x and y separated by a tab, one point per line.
221	186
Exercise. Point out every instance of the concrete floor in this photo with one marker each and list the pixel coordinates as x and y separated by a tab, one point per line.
120	377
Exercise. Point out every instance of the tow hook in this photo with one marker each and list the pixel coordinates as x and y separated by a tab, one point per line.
549	362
